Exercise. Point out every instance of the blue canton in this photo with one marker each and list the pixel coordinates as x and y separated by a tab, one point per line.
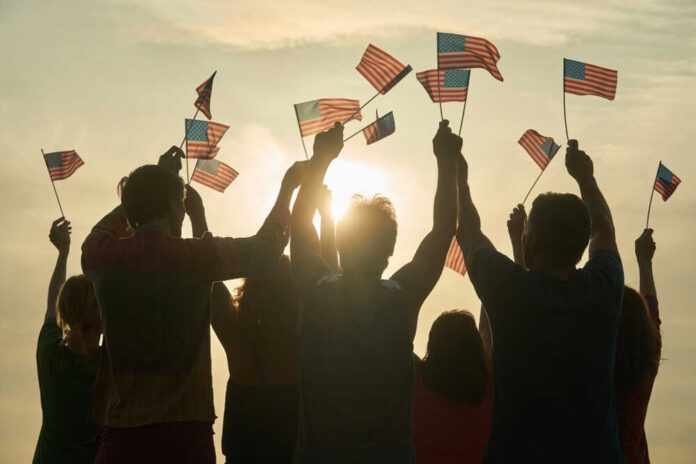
457	78
449	43
209	166
664	174
198	130
54	160
550	147
574	69
308	110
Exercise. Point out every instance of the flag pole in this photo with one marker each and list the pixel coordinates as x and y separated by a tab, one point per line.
461	122
565	120
297	116
363	106
187	128
439	98
356	133
52	183
535	182
652	192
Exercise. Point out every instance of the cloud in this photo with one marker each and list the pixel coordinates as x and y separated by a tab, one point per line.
281	24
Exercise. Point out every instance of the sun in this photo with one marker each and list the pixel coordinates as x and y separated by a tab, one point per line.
346	178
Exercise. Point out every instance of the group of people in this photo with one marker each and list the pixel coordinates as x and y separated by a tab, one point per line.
320	347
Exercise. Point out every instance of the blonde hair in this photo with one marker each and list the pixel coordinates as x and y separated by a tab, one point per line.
76	307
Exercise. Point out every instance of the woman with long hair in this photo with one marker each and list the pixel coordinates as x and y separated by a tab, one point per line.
638	351
67	357
453	394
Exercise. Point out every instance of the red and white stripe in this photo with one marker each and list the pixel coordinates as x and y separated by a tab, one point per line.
379	67
332	110
531	141
666	191
198	149
218	181
71	162
455	258
433	78
598	81
479	53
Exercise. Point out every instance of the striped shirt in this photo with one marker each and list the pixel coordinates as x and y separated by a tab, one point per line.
154	295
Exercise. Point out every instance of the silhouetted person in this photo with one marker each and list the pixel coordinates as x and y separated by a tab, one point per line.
66	359
554	326
258	330
356	330
454	393
637	355
154	391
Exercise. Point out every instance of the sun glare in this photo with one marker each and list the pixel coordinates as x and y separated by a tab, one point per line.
346	178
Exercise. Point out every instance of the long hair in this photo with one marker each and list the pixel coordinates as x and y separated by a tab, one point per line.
456	364
77	310
267	299
638	346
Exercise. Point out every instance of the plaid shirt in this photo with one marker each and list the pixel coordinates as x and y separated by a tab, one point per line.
154	295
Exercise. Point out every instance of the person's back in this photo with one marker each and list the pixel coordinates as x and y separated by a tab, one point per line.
554	327
357	330
67	364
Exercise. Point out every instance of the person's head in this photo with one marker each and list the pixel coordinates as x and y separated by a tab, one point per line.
366	235
456	364
267	295
638	345
78	315
153	194
557	231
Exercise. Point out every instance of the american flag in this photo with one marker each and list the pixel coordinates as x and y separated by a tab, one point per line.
204	91
62	164
455	258
381	69
453	84
202	138
455	51
379	129
587	79
319	115
539	147
666	182
214	174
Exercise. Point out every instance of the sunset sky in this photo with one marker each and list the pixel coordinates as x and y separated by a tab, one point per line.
114	80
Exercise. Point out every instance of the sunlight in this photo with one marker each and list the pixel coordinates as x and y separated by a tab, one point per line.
346	178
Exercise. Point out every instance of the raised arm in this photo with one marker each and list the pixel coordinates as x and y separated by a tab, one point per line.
515	226
60	238
196	212
485	330
420	275
469	235
328	230
305	250
580	167
222	314
645	250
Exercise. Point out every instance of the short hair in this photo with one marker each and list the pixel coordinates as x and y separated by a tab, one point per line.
560	226
146	192
76	310
366	234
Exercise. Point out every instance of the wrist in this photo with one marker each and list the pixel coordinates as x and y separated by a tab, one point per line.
644	263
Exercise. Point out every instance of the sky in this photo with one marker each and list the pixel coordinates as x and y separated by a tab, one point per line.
115	80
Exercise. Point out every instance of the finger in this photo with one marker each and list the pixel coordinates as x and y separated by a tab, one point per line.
444	123
58	221
648	232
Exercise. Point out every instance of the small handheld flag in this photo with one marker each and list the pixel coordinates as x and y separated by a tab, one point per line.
381	69
61	165
455	257
319	115
205	91
380	129
456	51
666	182
202	138
214	174
445	86
542	150
587	79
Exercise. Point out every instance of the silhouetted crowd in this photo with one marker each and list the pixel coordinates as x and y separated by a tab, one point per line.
320	347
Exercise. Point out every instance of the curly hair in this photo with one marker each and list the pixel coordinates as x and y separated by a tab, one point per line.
76	310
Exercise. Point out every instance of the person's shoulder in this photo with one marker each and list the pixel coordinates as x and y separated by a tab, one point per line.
604	260
50	337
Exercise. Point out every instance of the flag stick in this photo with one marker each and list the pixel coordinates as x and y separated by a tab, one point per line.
363	106
439	98
188	126
356	133
461	122
652	192
297	116
52	183
565	120
535	182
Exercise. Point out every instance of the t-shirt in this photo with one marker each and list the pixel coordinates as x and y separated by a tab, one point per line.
446	431
65	382
356	376
554	346
633	407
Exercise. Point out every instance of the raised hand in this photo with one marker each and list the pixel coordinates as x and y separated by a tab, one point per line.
60	234
578	164
295	174
445	143
325	202
645	247
171	160
516	223
330	143
193	202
